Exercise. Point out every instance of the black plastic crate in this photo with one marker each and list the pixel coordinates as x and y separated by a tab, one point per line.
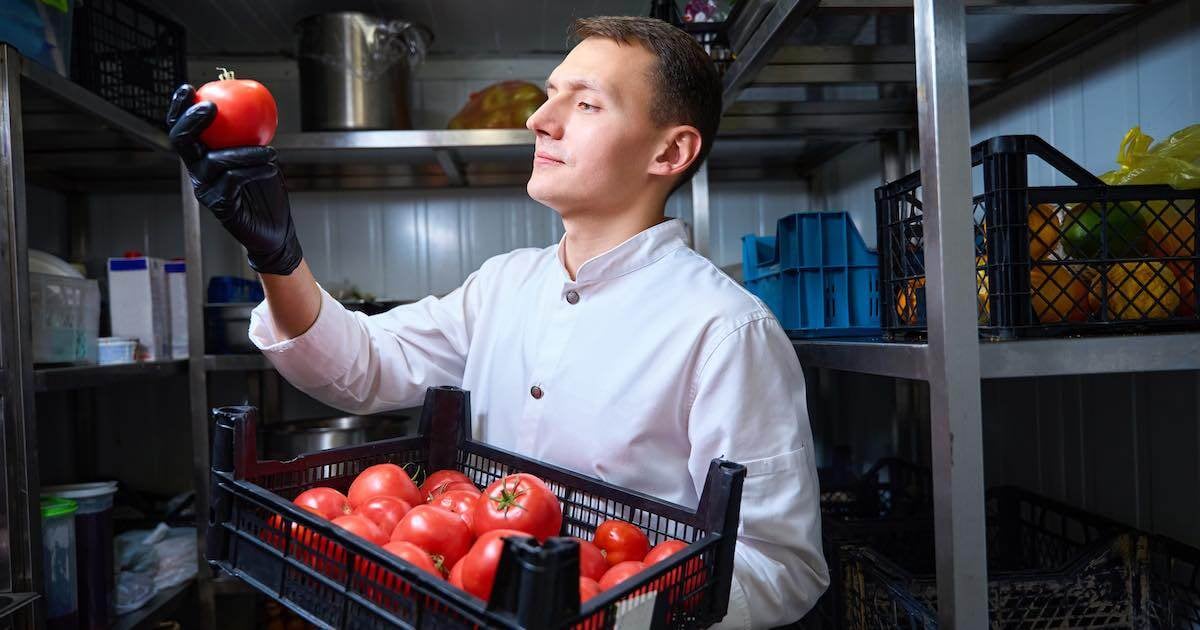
892	487
129	55
1049	565
1051	260
336	580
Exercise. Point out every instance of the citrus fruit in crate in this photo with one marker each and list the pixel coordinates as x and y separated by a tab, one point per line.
907	307
1044	230
1137	290
1084	232
981	287
1172	232
1057	295
1185	274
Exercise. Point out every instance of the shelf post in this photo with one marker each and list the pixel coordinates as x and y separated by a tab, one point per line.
197	388
953	353
20	513
701	215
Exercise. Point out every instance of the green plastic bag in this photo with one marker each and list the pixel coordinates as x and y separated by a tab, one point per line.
1174	161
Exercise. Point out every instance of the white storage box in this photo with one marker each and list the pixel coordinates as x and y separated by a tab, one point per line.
66	318
177	306
138	303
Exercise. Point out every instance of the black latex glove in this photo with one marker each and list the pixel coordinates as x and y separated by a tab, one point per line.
242	186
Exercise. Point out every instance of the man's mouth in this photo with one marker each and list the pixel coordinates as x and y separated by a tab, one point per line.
545	159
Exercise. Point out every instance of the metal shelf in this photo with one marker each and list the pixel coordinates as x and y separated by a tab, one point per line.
1013	359
80	377
12	602
76	140
236	363
157	609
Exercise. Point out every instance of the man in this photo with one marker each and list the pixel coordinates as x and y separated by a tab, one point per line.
619	353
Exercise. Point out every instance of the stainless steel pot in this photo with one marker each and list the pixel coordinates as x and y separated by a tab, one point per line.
227	328
355	71
286	440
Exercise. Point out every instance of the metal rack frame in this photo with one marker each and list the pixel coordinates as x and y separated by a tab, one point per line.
72	121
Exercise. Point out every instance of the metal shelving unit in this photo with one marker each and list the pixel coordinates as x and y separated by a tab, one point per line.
57	134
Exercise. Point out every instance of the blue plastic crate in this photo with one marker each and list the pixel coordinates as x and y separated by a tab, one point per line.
816	275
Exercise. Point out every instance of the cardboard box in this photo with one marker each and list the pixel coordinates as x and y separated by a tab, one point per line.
139	305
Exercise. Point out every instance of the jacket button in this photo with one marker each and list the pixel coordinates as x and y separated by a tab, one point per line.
536	392
572	297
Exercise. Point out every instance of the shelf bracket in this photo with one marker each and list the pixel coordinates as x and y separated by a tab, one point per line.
449	163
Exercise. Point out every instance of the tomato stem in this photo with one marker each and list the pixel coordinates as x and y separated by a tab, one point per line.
226	74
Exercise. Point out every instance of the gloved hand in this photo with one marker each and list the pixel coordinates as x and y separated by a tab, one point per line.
242	186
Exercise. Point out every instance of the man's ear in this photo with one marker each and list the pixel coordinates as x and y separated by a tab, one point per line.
678	152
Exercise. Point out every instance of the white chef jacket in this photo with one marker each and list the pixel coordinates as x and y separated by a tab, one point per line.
639	372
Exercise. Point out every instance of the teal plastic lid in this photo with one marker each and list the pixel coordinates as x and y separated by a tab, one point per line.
53	507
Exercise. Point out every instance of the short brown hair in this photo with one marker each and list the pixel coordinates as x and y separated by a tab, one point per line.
684	76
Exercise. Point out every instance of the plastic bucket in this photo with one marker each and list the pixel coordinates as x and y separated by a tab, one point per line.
94	544
58	557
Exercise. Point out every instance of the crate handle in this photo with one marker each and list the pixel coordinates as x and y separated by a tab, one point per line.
1034	145
722	489
525	566
445	437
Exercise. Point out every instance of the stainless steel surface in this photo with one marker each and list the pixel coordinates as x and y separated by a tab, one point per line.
86	102
978	73
901	360
1014	359
701	213
449	163
236	362
197	387
762	44
286	440
80	377
354	72
1027	7
20	516
228	326
953	353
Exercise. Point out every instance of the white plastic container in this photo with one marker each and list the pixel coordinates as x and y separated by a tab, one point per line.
177	306
138	304
117	350
65	314
93	549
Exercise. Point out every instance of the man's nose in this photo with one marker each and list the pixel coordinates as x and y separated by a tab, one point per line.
546	120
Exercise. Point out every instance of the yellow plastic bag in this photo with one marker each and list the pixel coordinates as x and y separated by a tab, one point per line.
1174	161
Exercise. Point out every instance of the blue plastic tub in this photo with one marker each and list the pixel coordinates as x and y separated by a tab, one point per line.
816	274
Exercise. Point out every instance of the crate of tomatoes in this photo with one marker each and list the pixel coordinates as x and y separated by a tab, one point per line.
438	530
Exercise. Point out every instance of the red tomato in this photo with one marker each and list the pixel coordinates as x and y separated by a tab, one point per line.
621	542
436	483
456	575
246	113
440	532
362	526
384	511
273	534
591	560
664	549
447	486
384	480
521	502
414	554
588	588
461	502
621	572
325	502
479	566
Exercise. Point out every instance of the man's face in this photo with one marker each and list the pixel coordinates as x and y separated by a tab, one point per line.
595	138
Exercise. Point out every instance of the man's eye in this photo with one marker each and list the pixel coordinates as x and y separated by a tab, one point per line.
587	107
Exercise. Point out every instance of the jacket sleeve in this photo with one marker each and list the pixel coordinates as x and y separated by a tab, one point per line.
366	364
750	408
